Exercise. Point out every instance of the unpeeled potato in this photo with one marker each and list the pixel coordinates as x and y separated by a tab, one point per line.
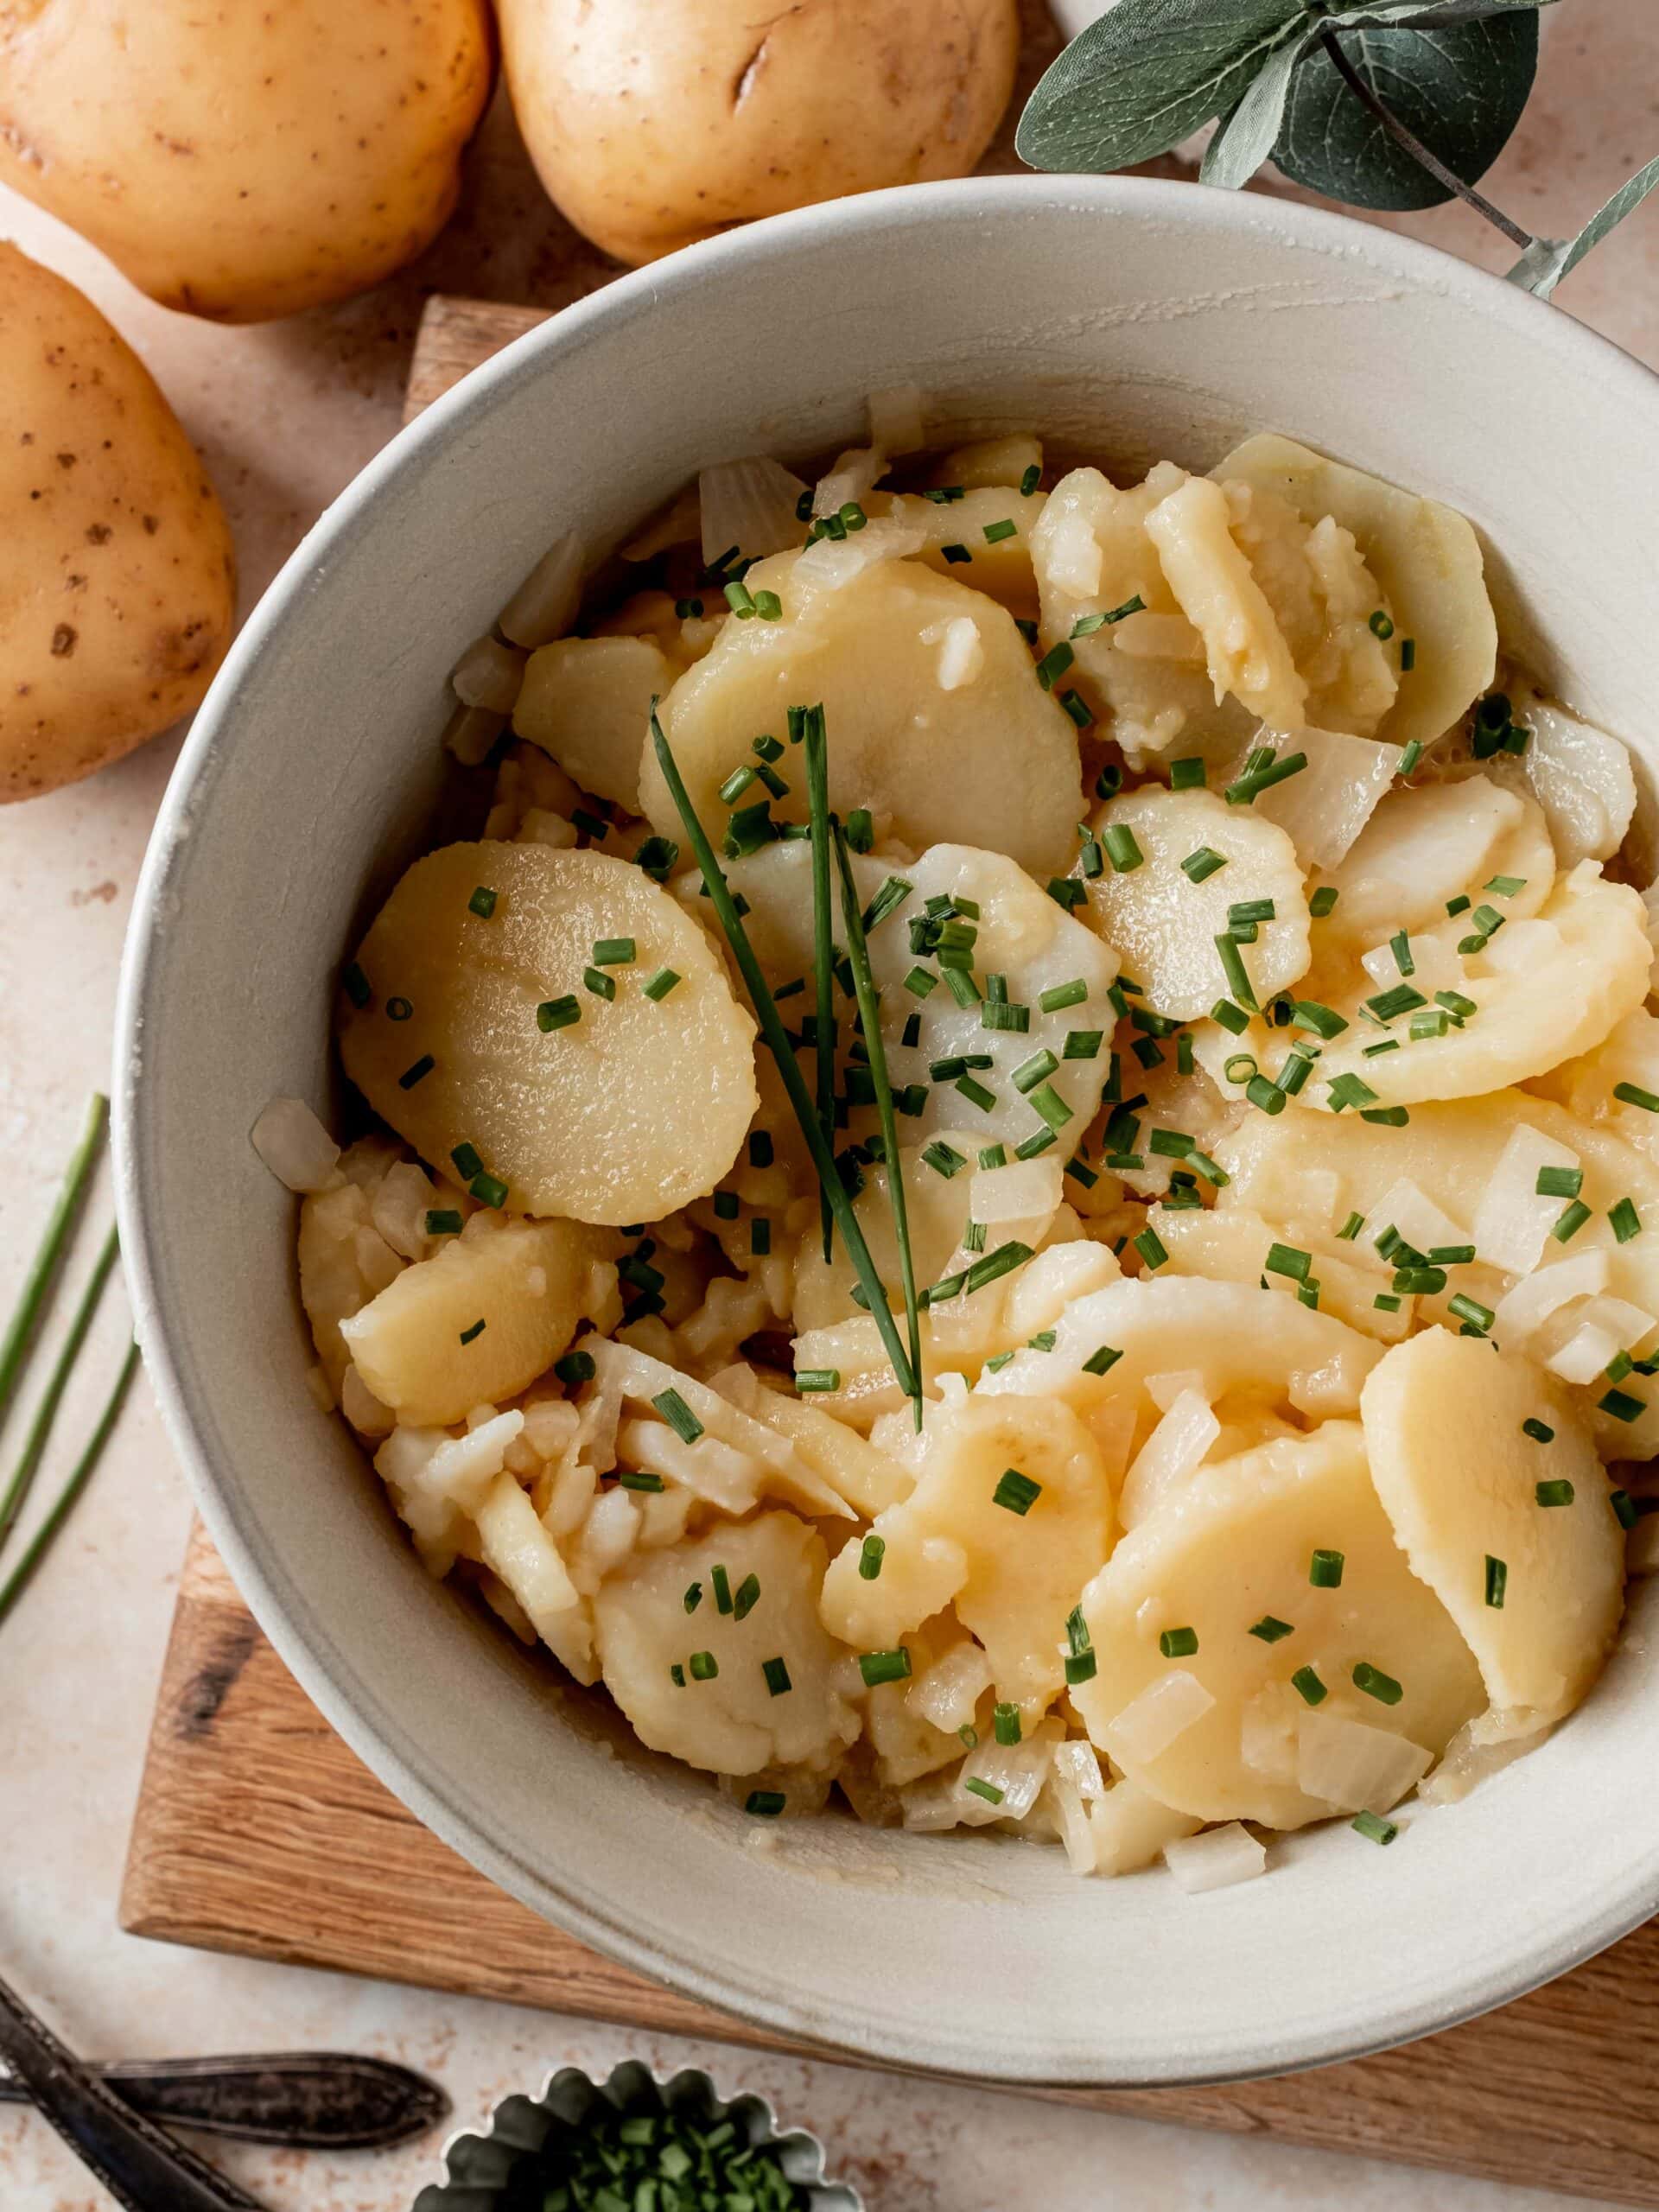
117	579
656	122
241	160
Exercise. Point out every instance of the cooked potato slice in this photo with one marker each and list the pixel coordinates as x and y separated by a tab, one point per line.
587	701
1232	1339
1232	1246
732	1721
999	566
1429	842
1235	1550
936	1209
856	1469
1324	809
1582	778
479	1320
1585	1085
991	460
1247	652
627	1113
344	1262
1547	987
1427	561
1022	934
1537	1589
1012	1511
1092	557
1165	926
993	757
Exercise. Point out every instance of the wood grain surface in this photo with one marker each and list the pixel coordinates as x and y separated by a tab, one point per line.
258	1831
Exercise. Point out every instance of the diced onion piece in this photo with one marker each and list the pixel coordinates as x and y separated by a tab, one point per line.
471	733
831	563
488	675
1077	1761
1631	1324
1324	808
545	605
962	653
1215	1860
1356	1768
294	1146
1513	1222
854	476
1149	1723
1585	1354
399	1206
897	422
1481	1748
1019	1771
1524	1309
1175	1448
462	1468
949	1692
749	504
362	1408
1077	1836
1130	1828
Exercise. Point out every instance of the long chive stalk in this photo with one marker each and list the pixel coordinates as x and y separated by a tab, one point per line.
22	1474
46	1533
869	1017
44	1266
772	1028
818	794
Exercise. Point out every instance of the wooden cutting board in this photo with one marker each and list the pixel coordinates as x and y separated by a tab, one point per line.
257	1831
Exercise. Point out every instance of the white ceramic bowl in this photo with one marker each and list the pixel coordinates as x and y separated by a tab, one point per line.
1123	316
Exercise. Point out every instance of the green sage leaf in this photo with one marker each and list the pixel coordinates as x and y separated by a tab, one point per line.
1424	14
1546	261
1145	76
1248	135
1459	89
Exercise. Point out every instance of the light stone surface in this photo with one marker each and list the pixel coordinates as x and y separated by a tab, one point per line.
285	416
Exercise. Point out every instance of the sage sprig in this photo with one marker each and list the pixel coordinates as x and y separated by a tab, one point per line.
1382	103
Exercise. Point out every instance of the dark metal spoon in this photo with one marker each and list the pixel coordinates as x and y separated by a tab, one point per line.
304	2100
142	2168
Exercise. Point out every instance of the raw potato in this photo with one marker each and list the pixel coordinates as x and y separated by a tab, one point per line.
1457	1476
528	1282
587	701
1235	1547
117	579
1012	1577
732	1723
1426	560
629	1113
1165	926
652	122
239	161
994	759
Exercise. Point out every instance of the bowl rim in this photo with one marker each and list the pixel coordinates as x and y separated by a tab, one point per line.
305	1644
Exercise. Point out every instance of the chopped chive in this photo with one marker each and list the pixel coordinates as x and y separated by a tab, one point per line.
759	1237
920	982
1202	863
1109	782
1401	1000
746	1598
676	1676
399	1009
996	532
626	1480
1271	1631
768	606
1349	1090
614	951
557	1014
1120	848
1054	664
354	983
944	1159
1188	775
443	1223
975	1093
1150	1246
1625	1221
817	1378
1478	1317
1047	1102
736	784
1005	1722
957	554
1308	1687
1229	1016
1250	786
1016	1493
891	896
1407	655
488	1190
1031	1073
482	903
1559	1182
1633	1094
1178	1642
992	1155
1234	970
988	1791
879	1667
1288	1259
1372	1826
656	858
1386	1302
679	1417
1559	1492
1572	1219
702	1665
1350	1227
589	824
870	1557
602	985
999	1014
1621	1405
1323	901
1325	1570
1267	1098
417	1073
1373	1682
1063	994
1323	1021
577	1367
722	1584
1450	1256
1497	1577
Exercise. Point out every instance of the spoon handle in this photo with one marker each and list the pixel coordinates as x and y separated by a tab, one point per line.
304	2100
143	2168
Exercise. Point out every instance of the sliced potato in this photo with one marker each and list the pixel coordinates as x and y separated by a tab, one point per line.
1165	926
1429	843
634	1109
344	1262
1234	1550
1092	557
974	1532
936	1207
1583	779
1629	1053
1547	987
478	1322
733	1722
1246	651
991	460
867	1477
999	566
1232	1246
1537	1589
994	757
587	702
1426	561
1324	809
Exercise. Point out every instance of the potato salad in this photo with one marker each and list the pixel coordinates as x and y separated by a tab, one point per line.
1016	1166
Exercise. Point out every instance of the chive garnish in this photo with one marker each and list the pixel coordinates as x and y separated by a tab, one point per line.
943	1158
443	1222
1559	1182
996	532
1372	1826
1308	1687
870	1556
988	1791
1621	1405
775	1674
1559	1492
1254	782
355	984
1004	1723
398	1009
956	554
1202	863
1325	1570
1497	1577
746	1598
1054	664
1120	848
879	1667
1178	1642
1271	1631
417	1073
1323	901
810	1379
575	1367
681	1418
1572	1219
482	903
1373	1682
702	1665
1016	1493
1633	1094
558	1014
602	985
1151	1248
